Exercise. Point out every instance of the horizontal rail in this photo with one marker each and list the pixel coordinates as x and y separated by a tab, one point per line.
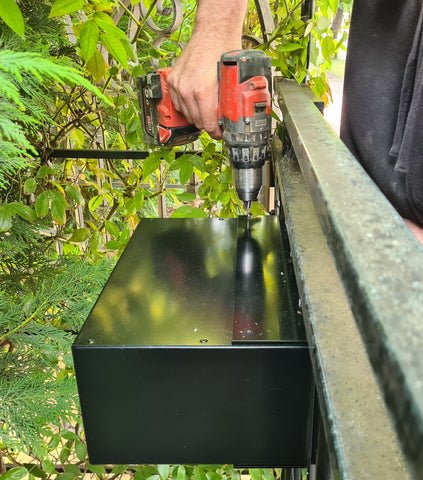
379	261
361	442
109	154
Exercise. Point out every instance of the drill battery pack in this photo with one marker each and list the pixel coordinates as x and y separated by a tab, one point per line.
162	124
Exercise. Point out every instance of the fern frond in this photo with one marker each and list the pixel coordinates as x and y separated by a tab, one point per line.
32	353
30	405
14	63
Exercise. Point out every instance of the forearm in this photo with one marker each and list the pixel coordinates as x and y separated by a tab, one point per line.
220	22
193	81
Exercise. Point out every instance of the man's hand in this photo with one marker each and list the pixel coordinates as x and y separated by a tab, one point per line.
193	82
194	89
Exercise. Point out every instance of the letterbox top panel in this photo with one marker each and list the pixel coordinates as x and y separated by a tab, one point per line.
194	282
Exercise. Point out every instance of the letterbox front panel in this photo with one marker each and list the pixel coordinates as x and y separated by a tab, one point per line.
215	405
195	351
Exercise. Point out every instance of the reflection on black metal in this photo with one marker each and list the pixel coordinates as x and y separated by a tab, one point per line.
249	298
163	326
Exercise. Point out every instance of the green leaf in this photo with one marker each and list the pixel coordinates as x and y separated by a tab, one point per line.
225	197
181	473
138	199
328	48
186	211
126	114
213	476
95	202
145	472
199	474
289	47
255	473
119	469
63	7
58	207
73	469
96	66
6	214
164	471
323	23
97	469
133	124
125	235
257	209
30	186
15	473
12	16
54	442
24	211
65	476
35	470
333	4
74	194
186	197
226	176
79	235
185	172
104	17
65	452
198	163
115	48
151	163
114	245
110	28
48	466
88	39
95	244
268	474
112	228
44	171
42	204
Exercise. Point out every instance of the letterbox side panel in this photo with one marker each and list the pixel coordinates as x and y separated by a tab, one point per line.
247	406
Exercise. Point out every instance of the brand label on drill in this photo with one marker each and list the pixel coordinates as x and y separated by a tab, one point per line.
260	123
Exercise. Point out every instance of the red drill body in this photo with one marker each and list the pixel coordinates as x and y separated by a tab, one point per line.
244	113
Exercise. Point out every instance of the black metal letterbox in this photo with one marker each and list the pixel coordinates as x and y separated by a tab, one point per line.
195	351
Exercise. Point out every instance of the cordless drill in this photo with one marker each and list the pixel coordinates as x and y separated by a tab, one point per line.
243	113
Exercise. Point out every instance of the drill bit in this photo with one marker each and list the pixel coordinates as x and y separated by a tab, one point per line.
247	206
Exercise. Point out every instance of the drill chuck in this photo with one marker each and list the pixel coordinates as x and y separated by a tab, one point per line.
247	152
247	183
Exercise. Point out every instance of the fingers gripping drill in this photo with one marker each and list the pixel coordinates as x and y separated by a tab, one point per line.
243	113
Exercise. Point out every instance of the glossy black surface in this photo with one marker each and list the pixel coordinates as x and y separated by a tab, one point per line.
194	353
198	281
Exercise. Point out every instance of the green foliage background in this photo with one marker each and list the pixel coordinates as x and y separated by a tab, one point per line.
67	76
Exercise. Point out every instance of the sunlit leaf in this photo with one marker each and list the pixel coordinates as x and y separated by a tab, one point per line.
151	163
115	48
75	194
12	16
48	466
185	172
79	235
58	207
112	228
15	473
110	28
96	65
63	7
88	39
42	204
30	186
